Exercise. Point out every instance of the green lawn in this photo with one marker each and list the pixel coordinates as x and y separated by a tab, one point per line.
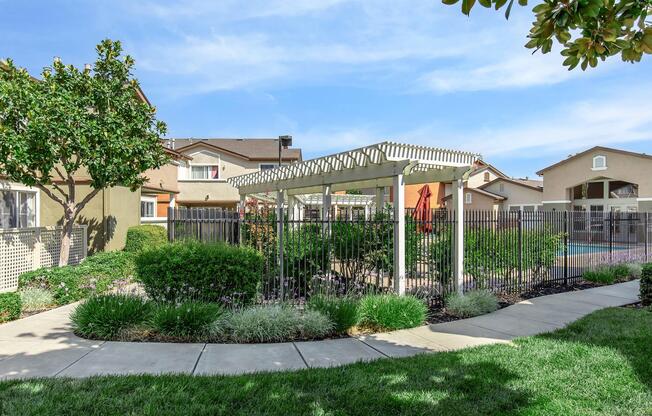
599	365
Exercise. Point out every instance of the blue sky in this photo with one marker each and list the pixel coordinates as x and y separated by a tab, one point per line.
338	74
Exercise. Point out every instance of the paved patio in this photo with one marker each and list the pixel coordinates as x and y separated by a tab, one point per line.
43	345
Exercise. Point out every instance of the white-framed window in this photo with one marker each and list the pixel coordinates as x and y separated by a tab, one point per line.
487	177
501	187
468	198
599	162
18	209
267	166
147	207
205	172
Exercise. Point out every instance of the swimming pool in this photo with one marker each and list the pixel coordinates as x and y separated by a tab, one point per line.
590	248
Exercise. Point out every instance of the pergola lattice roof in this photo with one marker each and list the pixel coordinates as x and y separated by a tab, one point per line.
369	166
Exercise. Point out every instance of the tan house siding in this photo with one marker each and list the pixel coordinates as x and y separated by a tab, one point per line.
515	194
624	166
108	215
163	179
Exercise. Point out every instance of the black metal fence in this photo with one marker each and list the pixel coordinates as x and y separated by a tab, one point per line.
504	251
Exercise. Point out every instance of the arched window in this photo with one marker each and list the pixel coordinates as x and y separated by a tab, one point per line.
487	178
599	162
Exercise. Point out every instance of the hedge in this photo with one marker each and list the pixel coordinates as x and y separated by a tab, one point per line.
96	274
10	306
646	285
191	270
145	236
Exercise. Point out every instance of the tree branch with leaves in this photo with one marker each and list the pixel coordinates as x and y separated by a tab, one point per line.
73	124
588	30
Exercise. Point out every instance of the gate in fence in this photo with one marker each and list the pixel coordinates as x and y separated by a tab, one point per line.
504	251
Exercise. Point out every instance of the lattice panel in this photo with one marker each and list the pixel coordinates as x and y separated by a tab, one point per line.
16	257
27	249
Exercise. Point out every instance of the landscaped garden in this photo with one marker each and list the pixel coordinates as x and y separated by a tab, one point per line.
598	365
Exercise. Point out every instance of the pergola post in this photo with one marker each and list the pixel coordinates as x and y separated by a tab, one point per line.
458	235
380	198
292	210
398	189
279	234
241	214
326	205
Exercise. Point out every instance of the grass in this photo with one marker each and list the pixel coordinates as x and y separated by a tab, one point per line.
599	365
472	303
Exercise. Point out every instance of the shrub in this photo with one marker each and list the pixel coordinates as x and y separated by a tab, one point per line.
145	236
109	316
94	275
472	303
389	312
192	270
646	285
36	299
306	254
635	270
607	274
10	306
275	323
342	312
188	320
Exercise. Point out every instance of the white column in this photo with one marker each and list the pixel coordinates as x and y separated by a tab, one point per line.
326	205
458	235
279	234
380	198
399	234
173	200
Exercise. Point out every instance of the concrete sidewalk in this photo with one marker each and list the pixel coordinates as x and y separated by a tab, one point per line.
43	345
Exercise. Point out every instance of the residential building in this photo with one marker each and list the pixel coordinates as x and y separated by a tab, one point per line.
210	162
519	194
599	179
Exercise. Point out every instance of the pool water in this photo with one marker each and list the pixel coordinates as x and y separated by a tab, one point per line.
587	248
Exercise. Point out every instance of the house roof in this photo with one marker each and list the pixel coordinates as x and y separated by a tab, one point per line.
250	149
482	166
528	183
593	149
481	192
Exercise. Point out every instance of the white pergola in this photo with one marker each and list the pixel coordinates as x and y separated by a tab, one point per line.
295	203
376	166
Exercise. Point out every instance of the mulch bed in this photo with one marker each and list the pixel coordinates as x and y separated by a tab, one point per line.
438	314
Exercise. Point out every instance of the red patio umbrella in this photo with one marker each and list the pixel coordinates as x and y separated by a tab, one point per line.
422	213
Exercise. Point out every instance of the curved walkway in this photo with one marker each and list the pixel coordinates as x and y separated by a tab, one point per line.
44	346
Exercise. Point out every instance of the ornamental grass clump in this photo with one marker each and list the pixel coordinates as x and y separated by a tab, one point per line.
188	320
472	303
390	312
342	312
109	317
277	323
36	299
608	274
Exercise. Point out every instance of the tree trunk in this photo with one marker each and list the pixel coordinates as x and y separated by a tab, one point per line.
66	237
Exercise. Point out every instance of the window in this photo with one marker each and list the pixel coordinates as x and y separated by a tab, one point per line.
468	198
147	207
599	162
501	187
595	190
17	209
621	189
487	177
267	166
208	172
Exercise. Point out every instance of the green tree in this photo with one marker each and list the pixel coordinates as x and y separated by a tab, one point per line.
587	30
76	123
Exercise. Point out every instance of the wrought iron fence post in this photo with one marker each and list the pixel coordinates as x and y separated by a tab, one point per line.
611	235
279	234
565	247
519	218
645	231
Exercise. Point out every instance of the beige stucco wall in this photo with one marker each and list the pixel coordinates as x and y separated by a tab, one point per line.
108	215
479	202
515	194
215	192
634	169
164	178
476	180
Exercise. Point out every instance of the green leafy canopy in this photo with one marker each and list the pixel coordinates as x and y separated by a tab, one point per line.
90	122
587	30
